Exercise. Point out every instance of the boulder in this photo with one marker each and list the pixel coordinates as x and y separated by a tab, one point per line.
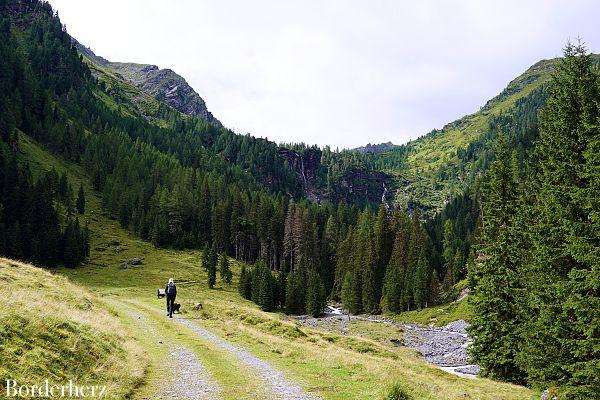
133	262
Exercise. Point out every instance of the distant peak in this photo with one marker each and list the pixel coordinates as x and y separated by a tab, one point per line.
163	84
376	148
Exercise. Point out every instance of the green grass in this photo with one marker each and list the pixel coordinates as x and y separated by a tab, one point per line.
438	315
419	180
125	96
430	152
360	365
58	331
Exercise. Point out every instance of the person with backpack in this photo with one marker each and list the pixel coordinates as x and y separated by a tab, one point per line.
171	293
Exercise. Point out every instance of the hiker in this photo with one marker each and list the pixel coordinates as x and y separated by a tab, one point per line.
171	292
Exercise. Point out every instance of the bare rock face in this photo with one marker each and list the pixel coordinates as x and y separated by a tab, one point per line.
163	84
133	262
168	87
376	148
355	185
549	394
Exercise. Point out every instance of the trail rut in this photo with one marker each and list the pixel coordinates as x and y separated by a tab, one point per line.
185	376
278	385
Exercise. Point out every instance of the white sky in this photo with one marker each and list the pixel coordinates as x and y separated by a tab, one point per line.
343	73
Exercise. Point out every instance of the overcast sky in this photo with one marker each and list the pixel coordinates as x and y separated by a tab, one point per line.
343	73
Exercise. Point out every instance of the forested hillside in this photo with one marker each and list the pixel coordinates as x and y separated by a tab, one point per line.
295	170
440	165
536	279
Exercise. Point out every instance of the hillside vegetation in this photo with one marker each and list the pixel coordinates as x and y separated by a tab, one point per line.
434	167
440	165
56	330
162	84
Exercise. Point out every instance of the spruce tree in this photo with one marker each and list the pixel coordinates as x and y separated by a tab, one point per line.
281	287
315	294
351	292
434	289
80	204
71	244
264	286
561	337
295	293
209	263
395	274
383	242
245	283
422	284
224	269
449	254
496	286
366	262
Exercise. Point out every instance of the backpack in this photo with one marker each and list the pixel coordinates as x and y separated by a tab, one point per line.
171	289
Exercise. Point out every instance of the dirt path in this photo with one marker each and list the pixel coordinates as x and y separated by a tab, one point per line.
275	380
193	381
185	376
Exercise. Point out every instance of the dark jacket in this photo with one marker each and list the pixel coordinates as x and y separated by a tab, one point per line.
171	290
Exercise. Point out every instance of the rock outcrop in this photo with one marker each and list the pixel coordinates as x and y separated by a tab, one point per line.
376	148
163	84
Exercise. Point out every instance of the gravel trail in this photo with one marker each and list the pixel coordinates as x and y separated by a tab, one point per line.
277	384
191	380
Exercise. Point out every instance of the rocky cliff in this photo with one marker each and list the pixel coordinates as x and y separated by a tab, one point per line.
354	186
163	84
376	148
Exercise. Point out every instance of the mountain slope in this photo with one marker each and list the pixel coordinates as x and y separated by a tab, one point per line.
314	175
163	84
51	322
441	164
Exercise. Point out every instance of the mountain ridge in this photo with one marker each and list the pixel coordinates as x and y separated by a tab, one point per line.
414	165
376	148
163	84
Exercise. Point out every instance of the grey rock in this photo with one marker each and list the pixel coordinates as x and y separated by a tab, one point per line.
376	148
546	395
163	84
443	346
459	326
468	370
135	261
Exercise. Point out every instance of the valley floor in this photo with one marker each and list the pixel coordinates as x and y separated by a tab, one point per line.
229	349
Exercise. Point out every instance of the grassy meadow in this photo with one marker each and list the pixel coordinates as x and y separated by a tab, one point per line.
56	330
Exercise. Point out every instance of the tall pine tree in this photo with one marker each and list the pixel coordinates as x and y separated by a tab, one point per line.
562	344
495	277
